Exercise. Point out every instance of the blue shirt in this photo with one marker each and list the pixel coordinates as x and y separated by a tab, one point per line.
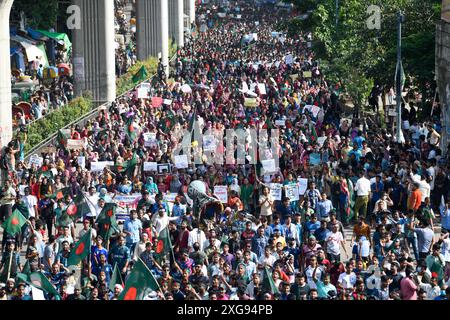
96	252
120	255
445	218
133	226
312	227
324	208
359	140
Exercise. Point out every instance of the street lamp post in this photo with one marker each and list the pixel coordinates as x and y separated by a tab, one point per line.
399	75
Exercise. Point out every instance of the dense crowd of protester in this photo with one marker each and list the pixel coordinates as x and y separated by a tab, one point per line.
393	197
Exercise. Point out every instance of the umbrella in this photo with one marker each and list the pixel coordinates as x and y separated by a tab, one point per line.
63	69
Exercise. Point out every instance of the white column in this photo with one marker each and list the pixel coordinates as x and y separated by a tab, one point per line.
164	24
5	75
152	30
176	21
189	9
94	50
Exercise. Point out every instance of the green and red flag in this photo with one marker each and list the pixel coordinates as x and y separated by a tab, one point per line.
22	207
116	278
60	194
81	250
139	283
14	223
106	220
40	281
163	244
78	207
268	283
130	130
127	167
62	139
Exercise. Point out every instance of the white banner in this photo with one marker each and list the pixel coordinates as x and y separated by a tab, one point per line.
150	166
150	139
280	123
269	166
82	161
100	165
142	93
209	143
302	186
181	161
292	192
73	144
36	160
222	193
276	190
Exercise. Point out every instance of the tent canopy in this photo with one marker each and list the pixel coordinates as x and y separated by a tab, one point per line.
32	50
58	36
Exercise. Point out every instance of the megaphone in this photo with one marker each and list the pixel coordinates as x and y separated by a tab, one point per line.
197	192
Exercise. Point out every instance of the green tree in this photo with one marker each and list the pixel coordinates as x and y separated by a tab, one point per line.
358	56
39	14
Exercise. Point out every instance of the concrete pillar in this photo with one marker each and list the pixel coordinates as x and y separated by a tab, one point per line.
443	79
176	21
152	30
5	75
94	50
189	9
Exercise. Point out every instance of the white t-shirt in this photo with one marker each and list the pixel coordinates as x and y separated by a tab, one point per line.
446	249
309	276
362	187
334	243
347	280
30	201
93	205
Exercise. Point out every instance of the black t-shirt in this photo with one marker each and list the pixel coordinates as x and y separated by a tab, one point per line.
395	284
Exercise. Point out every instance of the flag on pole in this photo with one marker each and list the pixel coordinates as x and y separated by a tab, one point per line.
39	280
81	250
399	77
163	244
130	129
268	283
106	220
116	278
139	283
62	139
141	75
14	223
313	134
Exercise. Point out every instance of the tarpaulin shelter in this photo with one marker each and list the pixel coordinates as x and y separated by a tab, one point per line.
32	49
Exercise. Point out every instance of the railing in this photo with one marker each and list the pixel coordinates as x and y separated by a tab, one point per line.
83	120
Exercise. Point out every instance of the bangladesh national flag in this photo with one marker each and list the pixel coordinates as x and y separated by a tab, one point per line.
127	167
163	246
81	250
77	208
116	278
14	223
40	281
130	130
268	283
106	220
60	194
62	139
139	283
141	75
23	208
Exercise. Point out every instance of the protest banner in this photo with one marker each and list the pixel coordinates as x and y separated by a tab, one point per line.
36	160
150	166
125	203
262	89
276	190
314	159
142	93
157	102
221	192
82	161
73	144
292	192
280	123
302	185
250	102
150	139
269	166
181	161
100	165
167	102
209	143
